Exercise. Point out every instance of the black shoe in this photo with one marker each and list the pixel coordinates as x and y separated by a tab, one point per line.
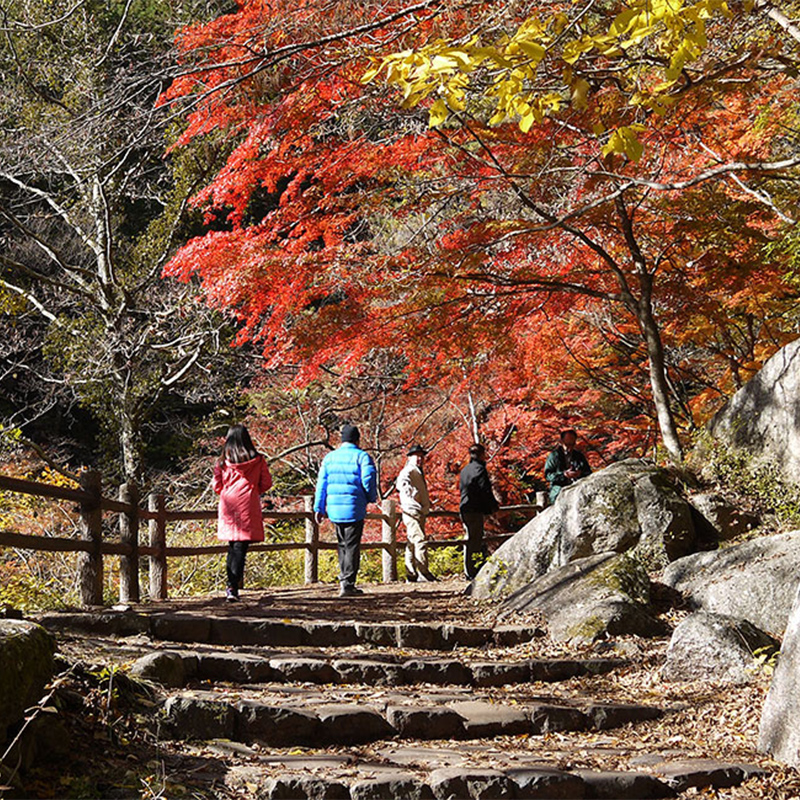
411	578
350	591
231	596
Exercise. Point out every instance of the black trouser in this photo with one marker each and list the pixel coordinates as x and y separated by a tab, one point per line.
234	565
348	535
475	551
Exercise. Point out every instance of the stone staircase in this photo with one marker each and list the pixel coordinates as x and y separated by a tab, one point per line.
361	709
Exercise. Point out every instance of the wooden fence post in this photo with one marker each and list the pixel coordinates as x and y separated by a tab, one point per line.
541	499
312	540
389	537
158	539
129	534
90	565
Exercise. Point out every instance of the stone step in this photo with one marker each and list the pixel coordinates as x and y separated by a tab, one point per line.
311	721
260	631
176	668
399	776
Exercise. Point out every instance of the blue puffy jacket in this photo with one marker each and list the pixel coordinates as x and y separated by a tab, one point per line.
347	482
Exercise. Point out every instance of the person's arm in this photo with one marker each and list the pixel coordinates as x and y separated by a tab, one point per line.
552	471
321	494
407	492
483	486
216	481
369	477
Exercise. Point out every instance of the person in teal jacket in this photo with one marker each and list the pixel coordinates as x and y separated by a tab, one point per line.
347	481
565	464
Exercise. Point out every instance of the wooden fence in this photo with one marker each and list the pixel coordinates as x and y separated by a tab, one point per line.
91	547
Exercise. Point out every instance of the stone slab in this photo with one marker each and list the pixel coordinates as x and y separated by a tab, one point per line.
275	725
623	785
321	633
303	787
438	671
500	673
603	716
541	782
433	722
366	671
352	724
200	716
391	786
545	718
478	784
233	668
483	719
701	773
180	627
303	670
233	631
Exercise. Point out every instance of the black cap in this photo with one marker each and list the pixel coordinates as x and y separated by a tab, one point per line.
350	434
416	450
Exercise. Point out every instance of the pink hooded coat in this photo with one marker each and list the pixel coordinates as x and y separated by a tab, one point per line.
240	487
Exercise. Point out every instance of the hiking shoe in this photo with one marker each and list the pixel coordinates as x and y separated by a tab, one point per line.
350	591
231	596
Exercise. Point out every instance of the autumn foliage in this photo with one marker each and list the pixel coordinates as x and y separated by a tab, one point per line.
568	214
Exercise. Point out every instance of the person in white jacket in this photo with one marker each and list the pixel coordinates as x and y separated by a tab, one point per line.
415	504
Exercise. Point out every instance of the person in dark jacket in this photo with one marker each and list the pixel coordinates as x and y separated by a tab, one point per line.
565	464
347	481
477	501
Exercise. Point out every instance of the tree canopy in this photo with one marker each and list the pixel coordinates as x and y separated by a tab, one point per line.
577	207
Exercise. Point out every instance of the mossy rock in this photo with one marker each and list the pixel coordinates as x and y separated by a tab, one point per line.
26	666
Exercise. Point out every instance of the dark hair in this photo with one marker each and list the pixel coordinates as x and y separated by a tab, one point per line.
476	450
238	445
563	433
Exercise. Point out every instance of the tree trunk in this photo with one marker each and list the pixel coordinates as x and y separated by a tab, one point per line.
658	379
131	446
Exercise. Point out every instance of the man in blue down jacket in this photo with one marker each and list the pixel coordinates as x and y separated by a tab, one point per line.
347	481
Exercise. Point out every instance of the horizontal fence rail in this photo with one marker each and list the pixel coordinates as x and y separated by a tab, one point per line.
90	546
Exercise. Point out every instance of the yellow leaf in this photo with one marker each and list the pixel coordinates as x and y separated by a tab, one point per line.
526	122
438	113
532	50
580	91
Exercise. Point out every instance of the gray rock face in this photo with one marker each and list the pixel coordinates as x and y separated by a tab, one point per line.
604	594
727	520
762	417
631	505
714	647
26	665
779	730
755	580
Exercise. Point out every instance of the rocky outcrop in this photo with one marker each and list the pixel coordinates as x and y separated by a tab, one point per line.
779	730
591	598
762	419
26	665
716	648
726	520
629	506
755	581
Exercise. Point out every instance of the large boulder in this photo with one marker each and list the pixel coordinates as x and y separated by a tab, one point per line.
592	598
726	519
762	417
632	505
26	665
779	731
754	580
715	647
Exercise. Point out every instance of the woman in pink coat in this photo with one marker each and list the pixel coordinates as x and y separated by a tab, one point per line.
241	476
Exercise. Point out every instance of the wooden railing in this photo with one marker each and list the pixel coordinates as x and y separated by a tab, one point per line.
91	547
